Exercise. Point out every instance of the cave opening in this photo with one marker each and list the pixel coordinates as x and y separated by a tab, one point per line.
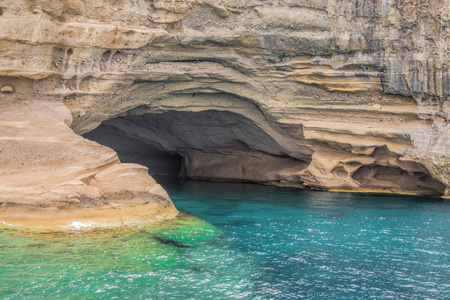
207	145
132	150
233	146
398	179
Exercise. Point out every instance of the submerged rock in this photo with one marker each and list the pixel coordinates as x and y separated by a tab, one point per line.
170	242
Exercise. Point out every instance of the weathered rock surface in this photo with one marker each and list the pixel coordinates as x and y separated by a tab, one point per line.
51	176
326	94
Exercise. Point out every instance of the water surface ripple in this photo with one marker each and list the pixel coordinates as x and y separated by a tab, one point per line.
264	243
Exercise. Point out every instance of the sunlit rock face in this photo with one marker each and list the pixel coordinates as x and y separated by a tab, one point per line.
334	95
51	176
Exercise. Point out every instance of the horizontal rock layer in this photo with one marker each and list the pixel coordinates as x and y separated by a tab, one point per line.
325	94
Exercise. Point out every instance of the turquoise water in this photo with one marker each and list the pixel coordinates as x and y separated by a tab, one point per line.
257	243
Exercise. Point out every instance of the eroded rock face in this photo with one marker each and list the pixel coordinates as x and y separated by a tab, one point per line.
326	94
52	176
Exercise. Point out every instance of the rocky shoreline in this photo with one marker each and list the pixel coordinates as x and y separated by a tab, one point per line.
52	177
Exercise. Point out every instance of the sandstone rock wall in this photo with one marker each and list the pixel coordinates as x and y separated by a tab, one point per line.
335	94
51	176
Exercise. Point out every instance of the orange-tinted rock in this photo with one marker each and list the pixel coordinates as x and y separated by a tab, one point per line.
7	89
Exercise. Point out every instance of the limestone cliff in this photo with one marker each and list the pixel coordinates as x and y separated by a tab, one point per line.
325	94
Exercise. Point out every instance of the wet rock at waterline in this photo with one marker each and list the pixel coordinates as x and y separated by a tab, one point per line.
51	176
333	95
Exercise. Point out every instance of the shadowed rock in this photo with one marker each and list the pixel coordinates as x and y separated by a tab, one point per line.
170	242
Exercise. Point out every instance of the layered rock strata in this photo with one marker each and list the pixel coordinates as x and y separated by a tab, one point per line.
52	176
324	94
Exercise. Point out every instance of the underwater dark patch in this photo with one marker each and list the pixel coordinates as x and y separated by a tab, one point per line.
171	242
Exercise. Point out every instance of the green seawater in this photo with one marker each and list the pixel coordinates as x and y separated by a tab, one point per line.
243	241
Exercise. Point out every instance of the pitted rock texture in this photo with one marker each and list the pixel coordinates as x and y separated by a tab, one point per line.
325	94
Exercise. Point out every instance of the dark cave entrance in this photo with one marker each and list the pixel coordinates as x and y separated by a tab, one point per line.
216	145
132	150
207	145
